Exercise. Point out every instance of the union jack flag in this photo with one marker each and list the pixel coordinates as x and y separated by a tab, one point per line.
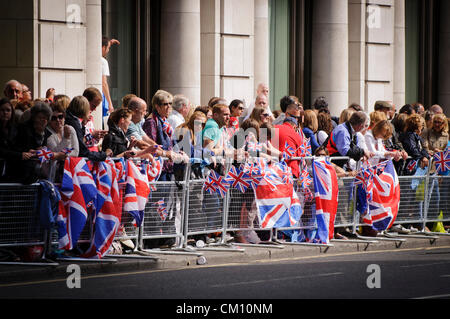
236	179
219	184
382	209
89	140
285	173
254	146
442	161
209	186
167	127
288	152
121	170
411	165
136	193
161	209
253	174
279	207
305	147
326	193
44	154
67	150
153	171
304	179
77	190
107	212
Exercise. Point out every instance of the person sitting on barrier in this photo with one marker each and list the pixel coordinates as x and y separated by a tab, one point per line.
60	136
436	138
77	115
413	143
343	140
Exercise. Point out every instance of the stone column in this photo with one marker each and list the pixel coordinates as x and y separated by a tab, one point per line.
399	54
357	51
94	51
261	42
329	76
210	49
444	59
180	48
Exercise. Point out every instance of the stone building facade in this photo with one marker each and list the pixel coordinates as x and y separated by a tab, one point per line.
346	50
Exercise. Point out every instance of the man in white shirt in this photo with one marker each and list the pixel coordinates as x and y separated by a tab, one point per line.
106	45
180	109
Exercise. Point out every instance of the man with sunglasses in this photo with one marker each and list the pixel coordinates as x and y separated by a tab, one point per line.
290	108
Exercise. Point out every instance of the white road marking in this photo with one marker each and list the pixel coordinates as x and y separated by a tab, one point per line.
274	279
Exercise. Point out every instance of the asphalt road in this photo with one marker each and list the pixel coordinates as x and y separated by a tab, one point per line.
408	273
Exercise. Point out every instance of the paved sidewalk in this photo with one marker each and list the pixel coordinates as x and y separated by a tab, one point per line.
212	256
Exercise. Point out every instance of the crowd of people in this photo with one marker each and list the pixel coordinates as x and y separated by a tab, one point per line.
172	127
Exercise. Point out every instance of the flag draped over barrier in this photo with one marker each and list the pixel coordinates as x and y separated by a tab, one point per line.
442	161
78	192
380	209
326	193
277	207
136	193
107	214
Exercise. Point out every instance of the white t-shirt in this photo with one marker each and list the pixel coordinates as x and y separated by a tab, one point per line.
105	67
175	119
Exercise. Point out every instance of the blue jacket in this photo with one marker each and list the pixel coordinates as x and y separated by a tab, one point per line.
312	139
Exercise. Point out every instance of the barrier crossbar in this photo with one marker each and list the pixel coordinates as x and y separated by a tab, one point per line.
191	211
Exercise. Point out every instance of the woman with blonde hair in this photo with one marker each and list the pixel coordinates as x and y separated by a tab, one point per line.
436	137
375	117
374	138
345	115
310	125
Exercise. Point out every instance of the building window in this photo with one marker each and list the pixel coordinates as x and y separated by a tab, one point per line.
279	51
134	65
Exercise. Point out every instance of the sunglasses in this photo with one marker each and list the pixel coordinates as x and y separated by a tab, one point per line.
58	117
167	104
265	114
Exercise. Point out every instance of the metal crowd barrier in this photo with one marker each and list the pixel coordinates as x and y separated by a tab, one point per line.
20	224
191	211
